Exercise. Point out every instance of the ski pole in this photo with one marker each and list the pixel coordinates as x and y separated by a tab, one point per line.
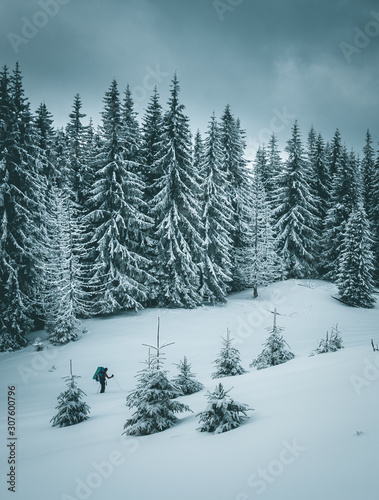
117	382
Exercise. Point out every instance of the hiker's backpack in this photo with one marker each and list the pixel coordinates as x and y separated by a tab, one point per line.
98	373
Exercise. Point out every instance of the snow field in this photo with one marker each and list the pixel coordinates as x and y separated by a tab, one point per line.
300	442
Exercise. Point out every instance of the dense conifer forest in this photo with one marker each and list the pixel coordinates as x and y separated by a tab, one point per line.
139	212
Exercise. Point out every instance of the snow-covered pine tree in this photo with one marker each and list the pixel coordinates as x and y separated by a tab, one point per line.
131	132
322	185
368	174
296	213
153	398
43	123
217	214
64	275
222	413
336	150
272	171
176	210
275	350
116	219
238	184
262	264
356	262
346	194
151	143
185	380
71	409
228	362
76	138
20	194
319	184
198	152
374	217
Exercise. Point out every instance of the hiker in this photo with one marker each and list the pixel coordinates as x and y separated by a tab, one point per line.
103	374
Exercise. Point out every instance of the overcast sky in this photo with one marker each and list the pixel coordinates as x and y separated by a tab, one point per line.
273	61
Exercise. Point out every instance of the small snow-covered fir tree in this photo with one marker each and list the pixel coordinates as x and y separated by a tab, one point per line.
153	399
71	409
275	351
329	344
356	262
229	361
185	379
222	413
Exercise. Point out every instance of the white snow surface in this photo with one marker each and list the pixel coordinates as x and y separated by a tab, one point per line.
314	433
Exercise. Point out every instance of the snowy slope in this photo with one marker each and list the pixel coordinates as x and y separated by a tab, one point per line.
300	442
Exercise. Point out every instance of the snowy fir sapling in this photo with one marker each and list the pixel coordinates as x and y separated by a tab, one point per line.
185	380
71	409
228	363
222	413
329	344
153	398
275	351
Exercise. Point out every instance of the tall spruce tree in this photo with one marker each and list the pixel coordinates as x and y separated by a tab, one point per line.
151	143
237	176
336	150
216	264
368	174
356	262
20	193
320	189
176	210
67	290
76	138
296	213
273	170
46	139
345	196
262	263
198	153
131	133
374	216
116	219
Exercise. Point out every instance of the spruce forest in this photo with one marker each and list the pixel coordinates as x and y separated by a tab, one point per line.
138	212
